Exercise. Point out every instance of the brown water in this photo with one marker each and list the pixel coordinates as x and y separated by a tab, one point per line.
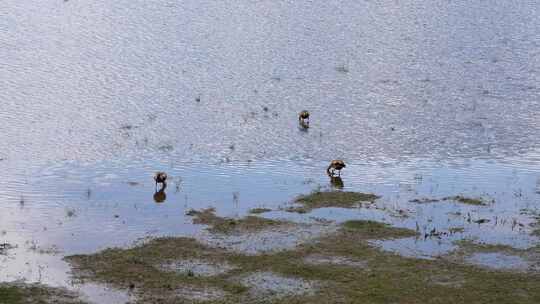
421	99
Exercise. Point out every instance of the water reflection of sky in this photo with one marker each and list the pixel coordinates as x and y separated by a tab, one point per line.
111	204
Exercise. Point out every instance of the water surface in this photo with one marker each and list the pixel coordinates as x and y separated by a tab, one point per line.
421	99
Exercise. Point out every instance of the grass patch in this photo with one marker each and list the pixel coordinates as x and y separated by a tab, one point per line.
297	209
466	200
457	198
20	293
469	247
138	268
4	247
377	230
11	294
387	278
259	210
456	230
424	200
229	225
322	199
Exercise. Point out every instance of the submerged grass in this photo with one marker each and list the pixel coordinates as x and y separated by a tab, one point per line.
323	199
377	230
230	225
457	198
468	247
424	200
259	210
467	200
387	277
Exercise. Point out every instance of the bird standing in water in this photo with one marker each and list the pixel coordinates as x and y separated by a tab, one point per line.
336	164
303	116
161	178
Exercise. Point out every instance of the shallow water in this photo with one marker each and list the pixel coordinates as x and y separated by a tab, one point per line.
421	99
500	261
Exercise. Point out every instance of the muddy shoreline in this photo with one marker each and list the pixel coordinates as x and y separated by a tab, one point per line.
254	259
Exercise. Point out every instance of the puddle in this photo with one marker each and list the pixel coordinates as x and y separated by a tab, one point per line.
500	261
335	260
194	293
269	284
418	248
267	240
30	266
196	267
99	293
452	281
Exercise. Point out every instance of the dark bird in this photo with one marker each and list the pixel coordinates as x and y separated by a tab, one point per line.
161	178
303	116
336	164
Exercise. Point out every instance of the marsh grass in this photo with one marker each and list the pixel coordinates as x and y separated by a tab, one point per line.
21	293
466	200
11	294
456	198
377	230
387	277
227	225
259	210
323	199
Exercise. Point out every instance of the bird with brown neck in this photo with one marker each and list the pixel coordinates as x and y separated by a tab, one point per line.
336	164
303	116
161	178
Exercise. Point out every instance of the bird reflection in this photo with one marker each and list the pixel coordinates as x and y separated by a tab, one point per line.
303	125
336	182
160	196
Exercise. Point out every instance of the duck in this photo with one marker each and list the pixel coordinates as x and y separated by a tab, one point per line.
303	116
161	178
336	164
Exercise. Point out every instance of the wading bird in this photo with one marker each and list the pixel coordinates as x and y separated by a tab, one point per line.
303	116
161	178
336	164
